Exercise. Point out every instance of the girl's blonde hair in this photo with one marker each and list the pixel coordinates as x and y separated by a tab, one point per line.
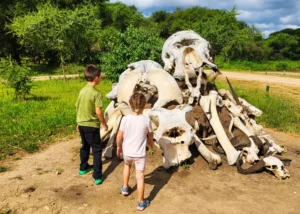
137	102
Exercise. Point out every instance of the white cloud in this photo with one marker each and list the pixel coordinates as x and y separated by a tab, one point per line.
264	25
266	33
286	19
267	15
290	26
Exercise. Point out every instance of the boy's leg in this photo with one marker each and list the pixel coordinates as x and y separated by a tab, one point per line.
95	143
84	150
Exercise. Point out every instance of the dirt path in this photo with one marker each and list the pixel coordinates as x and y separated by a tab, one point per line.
267	78
31	184
49	77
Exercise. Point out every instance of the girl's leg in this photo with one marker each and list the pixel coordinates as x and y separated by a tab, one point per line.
140	184
126	174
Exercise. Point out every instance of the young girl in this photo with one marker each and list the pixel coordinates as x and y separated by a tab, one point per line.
133	131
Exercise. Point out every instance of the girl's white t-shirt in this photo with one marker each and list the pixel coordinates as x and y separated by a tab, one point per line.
135	129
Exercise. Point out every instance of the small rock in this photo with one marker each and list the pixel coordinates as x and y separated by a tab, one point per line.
57	172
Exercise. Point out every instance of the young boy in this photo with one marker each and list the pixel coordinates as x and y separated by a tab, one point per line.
89	116
134	130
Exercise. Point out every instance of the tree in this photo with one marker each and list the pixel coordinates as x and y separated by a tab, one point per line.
133	45
283	46
67	33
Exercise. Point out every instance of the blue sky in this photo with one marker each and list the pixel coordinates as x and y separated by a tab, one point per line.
266	15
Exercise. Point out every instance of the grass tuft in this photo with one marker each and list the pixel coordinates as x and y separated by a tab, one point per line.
3	169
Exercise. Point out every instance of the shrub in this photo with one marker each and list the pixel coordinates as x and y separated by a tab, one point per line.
17	77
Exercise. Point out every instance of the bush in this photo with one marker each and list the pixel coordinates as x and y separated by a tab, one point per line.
17	77
133	45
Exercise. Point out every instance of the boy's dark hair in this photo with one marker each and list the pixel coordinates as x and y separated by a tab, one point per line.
91	71
137	102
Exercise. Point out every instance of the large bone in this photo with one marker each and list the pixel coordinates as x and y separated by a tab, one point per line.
108	151
168	90
194	92
174	154
167	87
213	159
114	121
173	134
253	150
172	46
250	108
140	67
208	104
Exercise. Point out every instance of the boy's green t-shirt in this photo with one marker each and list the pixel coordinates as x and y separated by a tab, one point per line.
89	98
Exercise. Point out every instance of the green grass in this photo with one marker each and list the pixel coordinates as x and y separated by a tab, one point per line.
283	65
279	112
48	114
3	169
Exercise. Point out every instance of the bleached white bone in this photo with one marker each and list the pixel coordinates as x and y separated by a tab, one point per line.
275	148
172	46
254	127
213	159
174	154
252	150
250	108
275	165
140	67
208	104
167	87
175	147
108	151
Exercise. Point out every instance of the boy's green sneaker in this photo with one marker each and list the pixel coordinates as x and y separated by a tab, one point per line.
99	180
82	172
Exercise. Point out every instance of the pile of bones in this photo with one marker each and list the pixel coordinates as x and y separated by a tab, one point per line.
186	108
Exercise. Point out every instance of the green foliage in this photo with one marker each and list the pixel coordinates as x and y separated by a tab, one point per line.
17	77
68	33
283	46
47	114
121	16
239	65
3	169
5	212
77	31
133	45
230	38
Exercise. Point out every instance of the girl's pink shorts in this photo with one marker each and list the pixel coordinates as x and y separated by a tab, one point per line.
140	162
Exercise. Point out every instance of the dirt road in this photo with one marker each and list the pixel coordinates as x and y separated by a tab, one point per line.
266	78
31	185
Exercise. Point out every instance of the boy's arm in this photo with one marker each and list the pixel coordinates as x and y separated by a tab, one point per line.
101	118
119	142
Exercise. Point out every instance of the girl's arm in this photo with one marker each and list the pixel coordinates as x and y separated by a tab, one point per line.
150	140
119	143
